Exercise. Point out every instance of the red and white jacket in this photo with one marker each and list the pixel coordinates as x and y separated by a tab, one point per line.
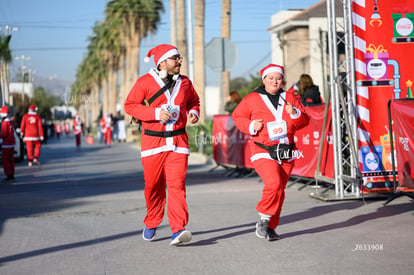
258	106
106	123
77	126
7	133
31	127
183	100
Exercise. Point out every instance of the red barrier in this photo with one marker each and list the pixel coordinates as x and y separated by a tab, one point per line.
308	141
402	112
230	146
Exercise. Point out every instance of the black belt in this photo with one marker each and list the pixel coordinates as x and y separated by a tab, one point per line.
164	134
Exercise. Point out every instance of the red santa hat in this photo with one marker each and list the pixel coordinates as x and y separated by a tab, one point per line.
161	53
4	111
272	68
33	108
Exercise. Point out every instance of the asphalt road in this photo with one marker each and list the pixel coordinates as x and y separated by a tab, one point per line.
81	212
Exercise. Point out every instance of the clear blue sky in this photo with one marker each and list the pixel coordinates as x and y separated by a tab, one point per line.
54	33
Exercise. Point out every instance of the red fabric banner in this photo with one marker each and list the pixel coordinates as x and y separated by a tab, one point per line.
308	141
402	113
232	147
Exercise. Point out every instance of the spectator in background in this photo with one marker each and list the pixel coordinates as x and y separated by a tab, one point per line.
45	131
232	101
120	127
308	92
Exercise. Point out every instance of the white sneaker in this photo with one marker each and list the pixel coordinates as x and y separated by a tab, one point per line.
181	237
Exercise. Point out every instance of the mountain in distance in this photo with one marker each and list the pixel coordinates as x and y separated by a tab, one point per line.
53	85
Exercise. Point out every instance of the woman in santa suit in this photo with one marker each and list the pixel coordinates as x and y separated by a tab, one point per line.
271	116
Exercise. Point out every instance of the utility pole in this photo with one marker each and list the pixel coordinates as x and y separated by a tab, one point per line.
9	29
190	41
22	69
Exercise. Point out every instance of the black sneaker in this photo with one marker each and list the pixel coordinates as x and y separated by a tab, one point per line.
8	180
272	235
261	228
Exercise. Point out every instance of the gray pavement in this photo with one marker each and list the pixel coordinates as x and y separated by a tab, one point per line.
81	213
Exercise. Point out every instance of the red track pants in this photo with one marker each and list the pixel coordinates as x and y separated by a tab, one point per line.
7	159
275	177
29	148
108	136
161	171
78	140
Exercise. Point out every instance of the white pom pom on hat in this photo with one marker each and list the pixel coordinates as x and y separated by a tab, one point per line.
161	53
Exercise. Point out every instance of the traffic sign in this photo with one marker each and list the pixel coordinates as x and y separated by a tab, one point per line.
221	54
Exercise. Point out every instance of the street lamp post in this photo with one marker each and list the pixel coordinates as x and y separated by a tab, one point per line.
22	68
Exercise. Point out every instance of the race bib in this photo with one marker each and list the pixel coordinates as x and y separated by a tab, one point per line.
174	110
277	130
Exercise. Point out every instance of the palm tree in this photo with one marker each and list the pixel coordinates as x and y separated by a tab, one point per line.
199	59
137	18
113	48
5	58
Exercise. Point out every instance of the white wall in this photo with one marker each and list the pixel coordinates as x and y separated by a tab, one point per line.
212	94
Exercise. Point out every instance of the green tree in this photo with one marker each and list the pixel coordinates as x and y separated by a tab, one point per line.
44	102
255	81
238	83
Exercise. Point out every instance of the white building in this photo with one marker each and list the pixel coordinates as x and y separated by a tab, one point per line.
22	87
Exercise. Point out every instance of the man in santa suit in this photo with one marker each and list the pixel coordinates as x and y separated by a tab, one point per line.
32	134
8	144
77	125
164	142
106	126
271	116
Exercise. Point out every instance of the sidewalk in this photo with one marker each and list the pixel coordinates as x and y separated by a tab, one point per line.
81	213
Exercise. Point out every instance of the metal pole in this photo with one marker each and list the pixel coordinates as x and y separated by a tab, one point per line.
190	42
334	106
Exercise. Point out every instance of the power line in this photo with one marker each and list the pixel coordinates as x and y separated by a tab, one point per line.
258	63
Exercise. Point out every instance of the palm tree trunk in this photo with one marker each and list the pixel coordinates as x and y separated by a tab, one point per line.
182	35
112	89
104	86
199	56
173	21
225	33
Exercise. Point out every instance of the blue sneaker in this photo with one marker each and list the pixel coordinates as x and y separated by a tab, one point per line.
149	234
181	237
